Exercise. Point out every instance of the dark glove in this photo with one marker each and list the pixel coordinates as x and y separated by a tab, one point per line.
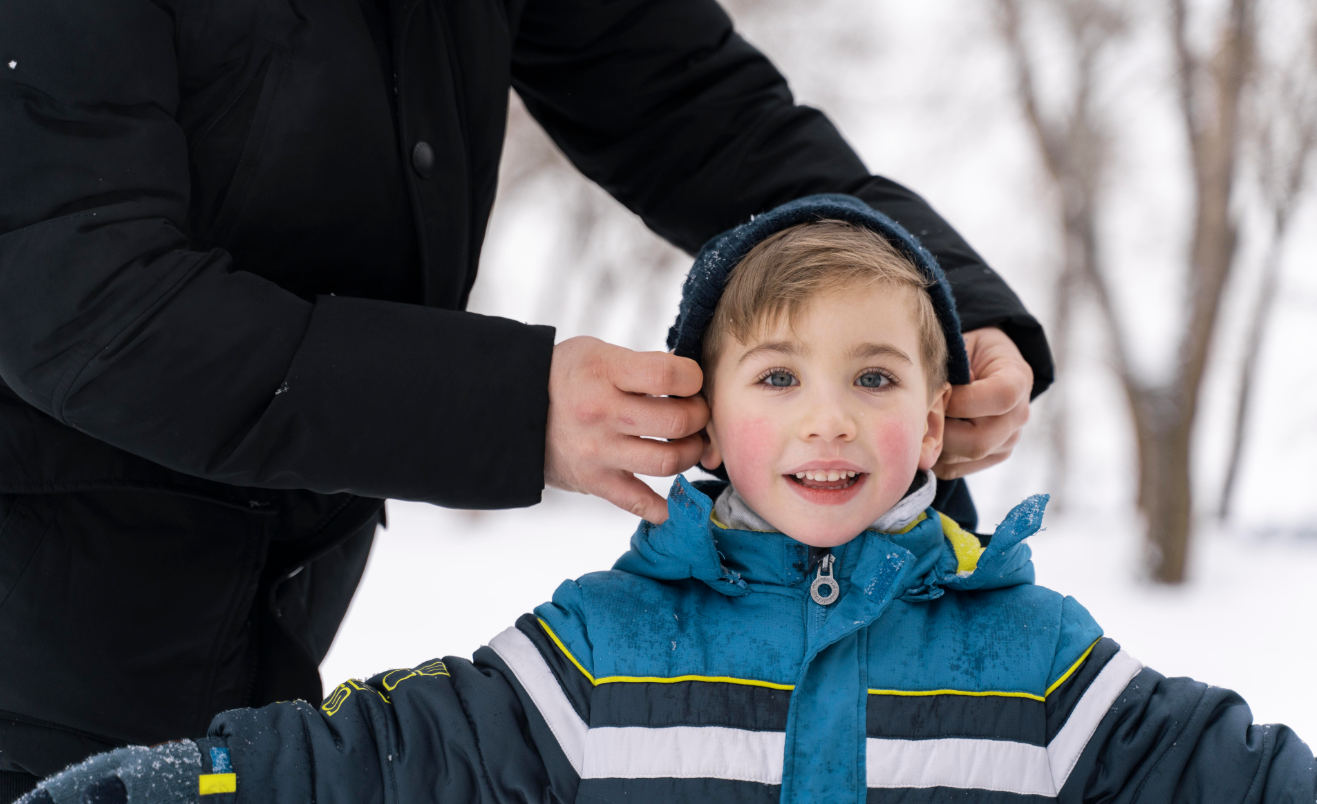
173	773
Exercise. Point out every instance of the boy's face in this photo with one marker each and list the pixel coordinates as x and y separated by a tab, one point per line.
823	424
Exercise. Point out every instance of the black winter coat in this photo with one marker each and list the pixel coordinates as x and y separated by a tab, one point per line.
236	238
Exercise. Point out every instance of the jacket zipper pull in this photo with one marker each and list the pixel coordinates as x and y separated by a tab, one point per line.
824	590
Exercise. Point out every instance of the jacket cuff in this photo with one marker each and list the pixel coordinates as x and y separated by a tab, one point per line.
983	299
410	402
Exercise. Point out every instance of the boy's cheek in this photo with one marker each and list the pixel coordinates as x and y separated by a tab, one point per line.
896	443
749	447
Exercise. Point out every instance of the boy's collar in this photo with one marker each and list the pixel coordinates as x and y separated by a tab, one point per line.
931	556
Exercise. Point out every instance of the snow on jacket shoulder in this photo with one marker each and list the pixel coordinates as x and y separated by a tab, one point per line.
699	669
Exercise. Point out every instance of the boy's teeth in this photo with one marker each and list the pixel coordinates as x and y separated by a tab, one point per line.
826	475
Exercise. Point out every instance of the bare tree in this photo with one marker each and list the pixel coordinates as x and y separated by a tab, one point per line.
1285	137
1074	151
1208	93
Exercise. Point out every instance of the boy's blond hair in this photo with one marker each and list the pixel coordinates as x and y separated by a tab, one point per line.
782	273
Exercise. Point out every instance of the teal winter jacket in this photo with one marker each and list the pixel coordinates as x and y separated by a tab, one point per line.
700	669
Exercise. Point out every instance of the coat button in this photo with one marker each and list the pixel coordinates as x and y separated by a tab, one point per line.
423	159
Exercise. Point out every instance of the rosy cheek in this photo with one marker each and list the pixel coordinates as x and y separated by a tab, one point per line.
749	447
897	445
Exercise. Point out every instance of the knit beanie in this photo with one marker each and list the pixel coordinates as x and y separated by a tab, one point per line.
708	277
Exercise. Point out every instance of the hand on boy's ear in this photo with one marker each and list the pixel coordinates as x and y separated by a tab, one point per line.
606	406
984	418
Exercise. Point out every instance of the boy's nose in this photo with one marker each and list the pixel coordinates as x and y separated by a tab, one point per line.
827	420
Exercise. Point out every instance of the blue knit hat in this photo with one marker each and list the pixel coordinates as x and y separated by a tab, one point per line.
708	277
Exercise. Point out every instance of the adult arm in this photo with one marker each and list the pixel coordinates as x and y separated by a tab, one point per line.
688	125
113	324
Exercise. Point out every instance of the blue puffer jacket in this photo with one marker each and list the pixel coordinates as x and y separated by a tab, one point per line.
700	669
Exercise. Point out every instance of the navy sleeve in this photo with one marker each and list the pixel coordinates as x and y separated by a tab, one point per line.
1179	740
667	108
446	731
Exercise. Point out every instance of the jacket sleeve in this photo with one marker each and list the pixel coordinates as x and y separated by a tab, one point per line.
1120	732
451	730
668	109
112	324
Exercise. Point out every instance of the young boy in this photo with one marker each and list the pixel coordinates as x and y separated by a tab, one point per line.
812	632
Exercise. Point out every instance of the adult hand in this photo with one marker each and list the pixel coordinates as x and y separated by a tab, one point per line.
605	409
984	418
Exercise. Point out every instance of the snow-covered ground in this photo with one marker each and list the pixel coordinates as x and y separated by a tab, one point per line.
444	582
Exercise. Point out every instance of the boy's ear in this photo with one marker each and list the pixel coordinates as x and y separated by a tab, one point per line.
712	457
935	428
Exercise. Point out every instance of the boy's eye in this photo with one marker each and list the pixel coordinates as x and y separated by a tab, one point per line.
778	378
873	379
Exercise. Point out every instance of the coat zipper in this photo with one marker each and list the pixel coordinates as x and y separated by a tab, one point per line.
824	589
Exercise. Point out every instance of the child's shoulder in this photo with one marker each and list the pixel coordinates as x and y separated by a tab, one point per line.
1022	638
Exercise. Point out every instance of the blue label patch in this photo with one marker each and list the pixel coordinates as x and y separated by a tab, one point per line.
219	761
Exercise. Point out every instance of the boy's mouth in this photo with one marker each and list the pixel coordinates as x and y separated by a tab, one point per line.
827	479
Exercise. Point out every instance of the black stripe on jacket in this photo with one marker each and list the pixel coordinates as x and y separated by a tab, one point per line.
574	684
690	703
561	776
1064	698
986	717
641	791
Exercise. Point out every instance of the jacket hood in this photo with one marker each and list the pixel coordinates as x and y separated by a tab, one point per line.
924	560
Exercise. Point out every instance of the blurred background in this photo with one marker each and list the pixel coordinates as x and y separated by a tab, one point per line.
1143	176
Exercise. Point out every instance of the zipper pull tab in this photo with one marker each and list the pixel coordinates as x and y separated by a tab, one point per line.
824	590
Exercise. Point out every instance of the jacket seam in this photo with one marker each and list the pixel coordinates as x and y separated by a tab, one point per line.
310	755
92	345
1173	743
118	484
1269	744
475	738
261	68
50	523
213	466
14	717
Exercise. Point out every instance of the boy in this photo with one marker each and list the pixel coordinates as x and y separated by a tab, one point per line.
812	632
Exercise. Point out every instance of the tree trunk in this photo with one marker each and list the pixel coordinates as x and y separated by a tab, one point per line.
1058	401
1074	154
1165	492
1248	368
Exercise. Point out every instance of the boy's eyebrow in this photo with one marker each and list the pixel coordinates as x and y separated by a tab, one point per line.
866	350
788	348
